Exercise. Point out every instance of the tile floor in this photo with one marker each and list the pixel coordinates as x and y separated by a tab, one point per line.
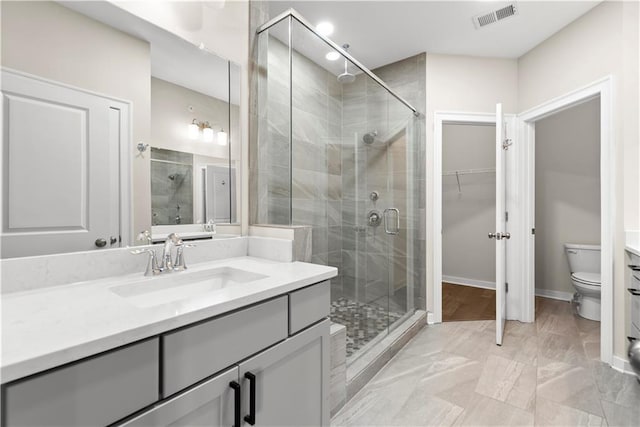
546	373
364	322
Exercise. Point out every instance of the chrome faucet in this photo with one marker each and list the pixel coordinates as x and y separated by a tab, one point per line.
171	241
167	265
152	265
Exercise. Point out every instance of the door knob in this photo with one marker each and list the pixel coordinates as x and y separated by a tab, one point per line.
101	243
500	236
113	240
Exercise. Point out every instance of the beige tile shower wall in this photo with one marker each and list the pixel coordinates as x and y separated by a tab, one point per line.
602	42
567	190
468	211
88	55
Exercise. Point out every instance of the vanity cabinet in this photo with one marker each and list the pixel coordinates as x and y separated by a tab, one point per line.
634	290
266	365
281	386
198	351
93	392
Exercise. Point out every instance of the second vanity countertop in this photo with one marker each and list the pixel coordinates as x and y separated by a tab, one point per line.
45	328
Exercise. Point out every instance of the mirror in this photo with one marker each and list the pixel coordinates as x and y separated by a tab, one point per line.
105	107
189	188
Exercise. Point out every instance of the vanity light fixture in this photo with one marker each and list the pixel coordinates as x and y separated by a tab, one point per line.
195	127
223	137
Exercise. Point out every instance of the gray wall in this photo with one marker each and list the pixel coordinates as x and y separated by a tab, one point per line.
567	190
333	172
469	214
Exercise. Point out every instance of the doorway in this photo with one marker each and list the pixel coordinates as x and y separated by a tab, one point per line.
601	91
468	213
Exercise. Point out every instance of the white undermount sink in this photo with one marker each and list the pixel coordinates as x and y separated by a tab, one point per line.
153	291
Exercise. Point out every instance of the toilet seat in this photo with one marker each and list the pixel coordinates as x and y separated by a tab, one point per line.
592	279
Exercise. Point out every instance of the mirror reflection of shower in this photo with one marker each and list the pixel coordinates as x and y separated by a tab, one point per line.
346	77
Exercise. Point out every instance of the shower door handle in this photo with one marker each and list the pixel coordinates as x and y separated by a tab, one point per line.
386	221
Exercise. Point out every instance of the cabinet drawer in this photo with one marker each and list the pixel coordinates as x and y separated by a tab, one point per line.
199	351
635	332
210	403
308	306
93	392
635	310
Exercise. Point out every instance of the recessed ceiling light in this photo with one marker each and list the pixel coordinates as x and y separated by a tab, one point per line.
332	56
325	28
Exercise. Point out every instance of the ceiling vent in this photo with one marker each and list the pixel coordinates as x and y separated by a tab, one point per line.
494	16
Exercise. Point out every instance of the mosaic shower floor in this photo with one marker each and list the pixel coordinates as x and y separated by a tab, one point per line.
363	321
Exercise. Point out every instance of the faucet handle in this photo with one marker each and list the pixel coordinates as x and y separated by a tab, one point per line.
180	262
152	265
145	236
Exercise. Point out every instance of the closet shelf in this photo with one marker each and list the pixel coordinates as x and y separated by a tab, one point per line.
469	171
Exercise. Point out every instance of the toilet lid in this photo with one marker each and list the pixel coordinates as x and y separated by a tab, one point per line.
590	278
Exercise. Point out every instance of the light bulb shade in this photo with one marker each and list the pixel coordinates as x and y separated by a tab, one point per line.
207	135
192	131
223	138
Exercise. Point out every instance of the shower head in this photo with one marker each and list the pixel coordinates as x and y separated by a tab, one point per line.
369	137
346	77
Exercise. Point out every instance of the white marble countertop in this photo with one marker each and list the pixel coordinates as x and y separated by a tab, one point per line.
632	242
48	327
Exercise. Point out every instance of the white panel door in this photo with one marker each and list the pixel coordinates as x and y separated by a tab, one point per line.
217	194
501	236
60	188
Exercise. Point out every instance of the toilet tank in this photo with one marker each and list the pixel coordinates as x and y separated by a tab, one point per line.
583	258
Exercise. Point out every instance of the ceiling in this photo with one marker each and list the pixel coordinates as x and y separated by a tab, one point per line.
382	32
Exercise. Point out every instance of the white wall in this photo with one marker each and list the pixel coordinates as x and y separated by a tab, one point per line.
170	117
468	211
49	40
602	42
567	147
463	84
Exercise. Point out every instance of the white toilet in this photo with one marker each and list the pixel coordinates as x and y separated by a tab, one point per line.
584	263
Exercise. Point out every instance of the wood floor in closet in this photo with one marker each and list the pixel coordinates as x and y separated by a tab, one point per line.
467	303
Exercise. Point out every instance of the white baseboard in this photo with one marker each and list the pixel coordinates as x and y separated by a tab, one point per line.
622	365
430	318
468	282
559	295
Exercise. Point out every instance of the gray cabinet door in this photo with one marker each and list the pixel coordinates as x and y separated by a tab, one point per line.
210	404
291	381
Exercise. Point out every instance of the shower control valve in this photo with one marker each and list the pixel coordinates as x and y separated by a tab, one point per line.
374	218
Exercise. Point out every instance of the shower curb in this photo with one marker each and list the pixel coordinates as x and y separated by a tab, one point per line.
367	366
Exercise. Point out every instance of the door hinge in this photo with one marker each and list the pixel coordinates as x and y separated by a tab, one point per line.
506	287
533	231
506	216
